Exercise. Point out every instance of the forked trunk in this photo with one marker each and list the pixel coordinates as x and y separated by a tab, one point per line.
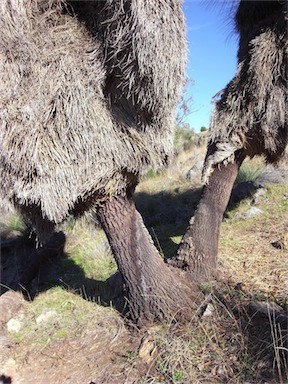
154	290
198	248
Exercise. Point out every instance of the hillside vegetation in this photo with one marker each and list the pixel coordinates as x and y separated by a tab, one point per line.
71	333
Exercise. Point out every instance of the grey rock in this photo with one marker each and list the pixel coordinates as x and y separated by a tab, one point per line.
15	325
258	195
195	170
273	175
10	303
209	311
46	316
252	212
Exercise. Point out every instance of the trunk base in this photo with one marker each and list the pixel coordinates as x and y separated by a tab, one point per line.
155	291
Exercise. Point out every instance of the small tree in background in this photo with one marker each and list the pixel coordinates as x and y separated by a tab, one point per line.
184	133
185	103
184	137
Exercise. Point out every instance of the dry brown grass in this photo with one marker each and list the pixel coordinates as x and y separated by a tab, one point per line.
246	251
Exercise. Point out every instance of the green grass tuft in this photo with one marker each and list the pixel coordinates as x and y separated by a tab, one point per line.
250	170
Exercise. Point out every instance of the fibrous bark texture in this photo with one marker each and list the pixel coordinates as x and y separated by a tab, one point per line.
198	249
154	290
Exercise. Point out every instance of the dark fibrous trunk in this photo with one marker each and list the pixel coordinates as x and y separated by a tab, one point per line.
198	248
155	291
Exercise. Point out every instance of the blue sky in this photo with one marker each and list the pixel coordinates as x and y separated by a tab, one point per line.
212	55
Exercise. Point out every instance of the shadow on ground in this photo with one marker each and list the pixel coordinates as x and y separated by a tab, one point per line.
34	270
166	216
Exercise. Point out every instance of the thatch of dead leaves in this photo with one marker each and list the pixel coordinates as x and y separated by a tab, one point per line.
252	110
87	94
